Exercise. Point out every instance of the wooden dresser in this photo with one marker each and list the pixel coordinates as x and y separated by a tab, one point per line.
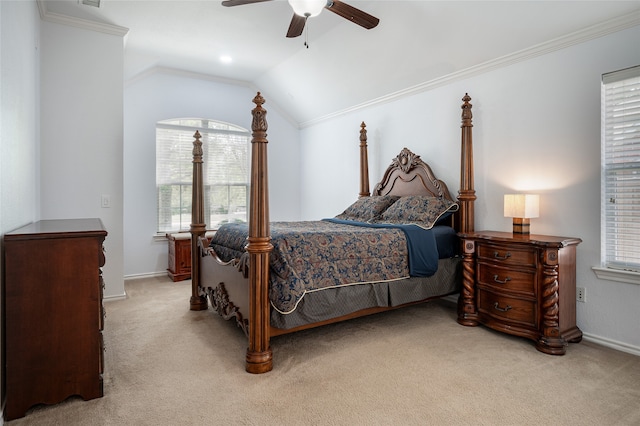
523	285
53	313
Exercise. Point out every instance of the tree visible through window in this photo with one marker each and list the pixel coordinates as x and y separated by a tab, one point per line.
225	172
621	169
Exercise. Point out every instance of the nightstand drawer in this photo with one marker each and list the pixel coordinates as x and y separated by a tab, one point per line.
505	308
507	255
507	279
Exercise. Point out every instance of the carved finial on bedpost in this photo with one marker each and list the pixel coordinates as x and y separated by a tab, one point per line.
467	193
364	162
466	111
198	301
197	147
259	123
259	358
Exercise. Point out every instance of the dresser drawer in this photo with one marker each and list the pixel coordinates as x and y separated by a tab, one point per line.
504	308
507	255
519	281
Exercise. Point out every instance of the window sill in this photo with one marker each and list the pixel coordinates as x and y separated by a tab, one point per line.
159	238
617	275
187	234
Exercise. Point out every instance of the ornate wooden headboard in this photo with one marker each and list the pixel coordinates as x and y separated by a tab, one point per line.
408	174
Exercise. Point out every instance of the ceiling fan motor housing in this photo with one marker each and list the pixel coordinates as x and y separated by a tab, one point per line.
307	8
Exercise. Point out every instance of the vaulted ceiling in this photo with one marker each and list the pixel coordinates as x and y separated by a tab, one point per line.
416	45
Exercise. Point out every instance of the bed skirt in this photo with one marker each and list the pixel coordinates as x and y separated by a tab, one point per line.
335	302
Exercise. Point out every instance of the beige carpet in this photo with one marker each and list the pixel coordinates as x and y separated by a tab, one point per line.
166	365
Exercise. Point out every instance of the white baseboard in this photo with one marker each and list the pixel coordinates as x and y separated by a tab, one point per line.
145	275
114	298
128	278
610	343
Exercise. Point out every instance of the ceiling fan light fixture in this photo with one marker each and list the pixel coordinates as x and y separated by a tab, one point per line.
307	8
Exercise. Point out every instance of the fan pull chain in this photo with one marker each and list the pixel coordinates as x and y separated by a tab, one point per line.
306	32
306	35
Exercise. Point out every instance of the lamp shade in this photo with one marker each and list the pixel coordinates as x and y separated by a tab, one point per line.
521	205
307	8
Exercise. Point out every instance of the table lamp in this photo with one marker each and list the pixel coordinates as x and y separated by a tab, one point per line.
521	207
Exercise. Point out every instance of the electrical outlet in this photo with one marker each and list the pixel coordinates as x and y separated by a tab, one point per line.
581	294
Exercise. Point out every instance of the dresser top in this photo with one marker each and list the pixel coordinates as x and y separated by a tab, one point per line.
58	228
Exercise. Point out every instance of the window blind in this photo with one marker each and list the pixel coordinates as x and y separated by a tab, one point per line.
621	169
225	173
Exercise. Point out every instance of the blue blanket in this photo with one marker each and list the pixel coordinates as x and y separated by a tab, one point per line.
421	244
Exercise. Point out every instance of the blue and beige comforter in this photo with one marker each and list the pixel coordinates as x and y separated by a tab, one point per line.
315	255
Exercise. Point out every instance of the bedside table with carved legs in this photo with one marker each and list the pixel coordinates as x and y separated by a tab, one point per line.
523	285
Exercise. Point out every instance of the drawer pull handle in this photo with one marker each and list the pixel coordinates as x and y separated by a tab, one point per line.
497	255
497	308
506	280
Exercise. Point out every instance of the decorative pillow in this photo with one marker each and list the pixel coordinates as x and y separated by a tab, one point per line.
367	209
419	210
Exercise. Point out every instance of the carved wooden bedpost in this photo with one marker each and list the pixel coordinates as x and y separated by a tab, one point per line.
466	196
198	301
259	357
364	162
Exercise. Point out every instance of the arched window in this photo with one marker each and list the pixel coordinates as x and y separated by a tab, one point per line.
225	172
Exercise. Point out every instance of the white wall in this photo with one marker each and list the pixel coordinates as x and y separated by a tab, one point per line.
536	128
19	119
81	134
163	94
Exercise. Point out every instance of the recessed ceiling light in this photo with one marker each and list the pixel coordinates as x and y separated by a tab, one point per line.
94	3
226	59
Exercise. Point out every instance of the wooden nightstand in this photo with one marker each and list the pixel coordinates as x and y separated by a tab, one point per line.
179	260
179	251
523	285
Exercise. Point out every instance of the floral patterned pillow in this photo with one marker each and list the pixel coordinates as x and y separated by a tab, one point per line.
367	209
419	210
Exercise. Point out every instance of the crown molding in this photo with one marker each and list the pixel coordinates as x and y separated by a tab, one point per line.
595	31
86	24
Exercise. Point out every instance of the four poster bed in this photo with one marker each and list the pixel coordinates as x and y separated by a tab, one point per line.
394	247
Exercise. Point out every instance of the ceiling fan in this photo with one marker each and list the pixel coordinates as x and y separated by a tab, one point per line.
304	9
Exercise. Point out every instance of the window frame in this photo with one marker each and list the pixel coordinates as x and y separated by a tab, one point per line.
182	175
616	145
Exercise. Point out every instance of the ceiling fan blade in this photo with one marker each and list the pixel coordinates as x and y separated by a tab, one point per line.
229	3
297	26
353	14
